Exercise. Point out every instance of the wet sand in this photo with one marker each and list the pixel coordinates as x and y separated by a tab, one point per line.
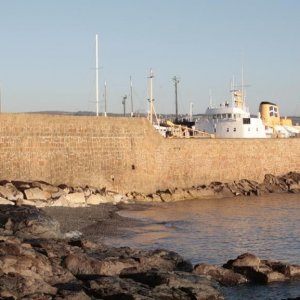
96	222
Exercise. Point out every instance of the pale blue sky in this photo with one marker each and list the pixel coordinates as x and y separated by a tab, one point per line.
47	52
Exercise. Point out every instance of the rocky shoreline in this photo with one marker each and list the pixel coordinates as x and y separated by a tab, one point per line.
39	261
42	194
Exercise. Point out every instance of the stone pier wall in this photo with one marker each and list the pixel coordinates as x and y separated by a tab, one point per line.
126	154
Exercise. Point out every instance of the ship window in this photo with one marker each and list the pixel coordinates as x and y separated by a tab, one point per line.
271	114
234	129
229	116
214	116
234	116
275	108
276	115
246	121
215	130
270	108
223	116
227	129
218	116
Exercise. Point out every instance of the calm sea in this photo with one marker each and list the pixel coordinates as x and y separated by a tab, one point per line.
216	230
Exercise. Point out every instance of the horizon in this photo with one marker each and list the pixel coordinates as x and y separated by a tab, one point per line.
47	58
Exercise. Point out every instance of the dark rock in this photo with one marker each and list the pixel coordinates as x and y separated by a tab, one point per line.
186	285
27	222
262	271
223	276
16	286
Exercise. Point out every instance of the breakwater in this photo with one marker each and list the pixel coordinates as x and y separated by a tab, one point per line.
127	154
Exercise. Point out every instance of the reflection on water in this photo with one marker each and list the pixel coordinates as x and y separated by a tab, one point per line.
216	230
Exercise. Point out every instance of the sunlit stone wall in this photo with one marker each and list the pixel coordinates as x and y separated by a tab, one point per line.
126	154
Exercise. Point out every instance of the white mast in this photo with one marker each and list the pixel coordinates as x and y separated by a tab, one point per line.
105	103
151	96
97	78
232	91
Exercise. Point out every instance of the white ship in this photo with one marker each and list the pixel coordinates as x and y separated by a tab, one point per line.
233	120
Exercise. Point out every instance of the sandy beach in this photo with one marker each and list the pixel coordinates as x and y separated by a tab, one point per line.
97	221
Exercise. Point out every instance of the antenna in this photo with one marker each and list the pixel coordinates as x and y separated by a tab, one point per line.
131	99
151	97
176	81
97	78
232	90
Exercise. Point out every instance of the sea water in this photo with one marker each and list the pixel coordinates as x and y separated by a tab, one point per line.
215	230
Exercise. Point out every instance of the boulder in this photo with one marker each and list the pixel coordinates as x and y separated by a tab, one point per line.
44	186
244	260
70	200
61	201
177	285
96	199
10	192
262	271
4	201
154	198
58	194
27	222
166	197
37	194
76	198
16	286
223	276
117	198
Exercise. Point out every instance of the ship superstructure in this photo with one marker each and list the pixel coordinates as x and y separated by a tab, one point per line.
231	120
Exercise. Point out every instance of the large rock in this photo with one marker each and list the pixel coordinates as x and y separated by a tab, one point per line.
223	276
70	200
37	194
96	199
262	271
10	192
177	285
46	187
27	222
16	286
4	201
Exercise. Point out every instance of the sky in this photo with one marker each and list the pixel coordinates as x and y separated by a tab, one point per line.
47	53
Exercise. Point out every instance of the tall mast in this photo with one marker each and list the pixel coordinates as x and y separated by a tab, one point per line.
176	81
151	96
131	99
105	103
232	91
97	78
